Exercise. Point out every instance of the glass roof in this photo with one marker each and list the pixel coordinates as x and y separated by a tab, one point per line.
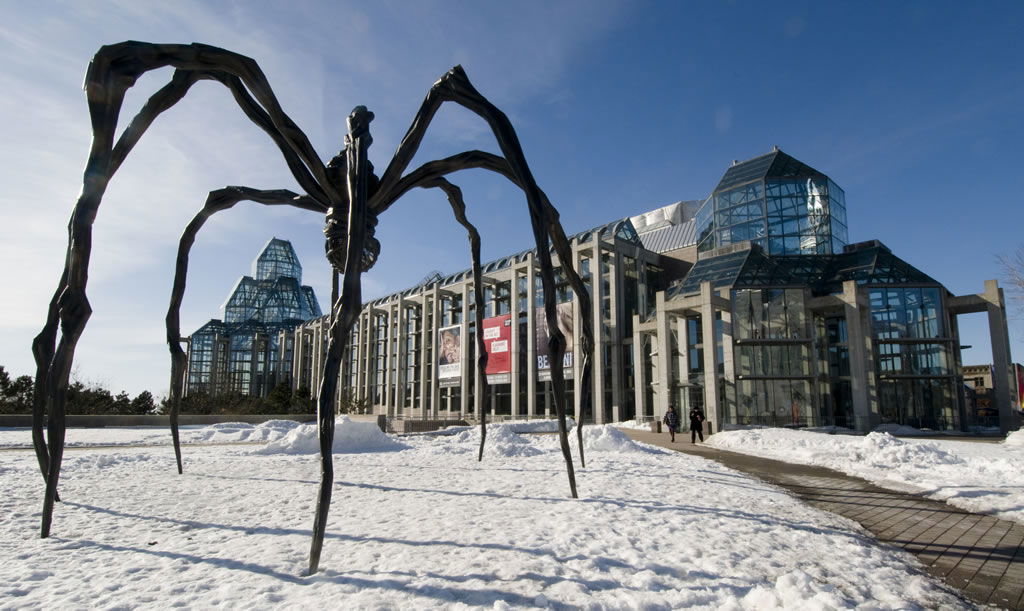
824	274
719	271
277	259
775	164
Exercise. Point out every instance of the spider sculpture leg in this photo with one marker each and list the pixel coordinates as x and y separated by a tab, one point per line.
344	312
430	171
113	70
217	201
455	86
458	205
585	345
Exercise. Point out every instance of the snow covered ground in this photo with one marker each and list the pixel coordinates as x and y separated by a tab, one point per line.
228	432
417	522
979	476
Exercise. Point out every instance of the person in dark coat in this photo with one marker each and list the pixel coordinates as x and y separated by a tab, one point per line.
671	420
696	424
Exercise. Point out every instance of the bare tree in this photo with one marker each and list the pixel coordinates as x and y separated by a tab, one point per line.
1013	273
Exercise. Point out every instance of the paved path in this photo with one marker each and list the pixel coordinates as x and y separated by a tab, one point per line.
981	556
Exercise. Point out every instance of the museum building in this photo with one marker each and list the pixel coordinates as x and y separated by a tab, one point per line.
751	304
249	349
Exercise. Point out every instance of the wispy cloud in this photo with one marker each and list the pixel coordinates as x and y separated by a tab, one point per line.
321	58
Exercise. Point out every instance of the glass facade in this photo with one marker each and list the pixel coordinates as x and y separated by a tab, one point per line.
776	202
790	364
913	358
772	358
244	353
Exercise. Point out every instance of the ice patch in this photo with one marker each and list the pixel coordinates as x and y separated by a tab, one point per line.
349	437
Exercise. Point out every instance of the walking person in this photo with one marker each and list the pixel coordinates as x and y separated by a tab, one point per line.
671	420
696	425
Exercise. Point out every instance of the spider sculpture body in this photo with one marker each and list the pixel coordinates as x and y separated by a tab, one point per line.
345	190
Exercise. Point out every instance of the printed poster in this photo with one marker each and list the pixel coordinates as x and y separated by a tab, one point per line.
498	344
564	311
449	355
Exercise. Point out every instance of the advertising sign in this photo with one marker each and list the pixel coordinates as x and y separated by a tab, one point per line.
565	325
498	343
1020	386
449	355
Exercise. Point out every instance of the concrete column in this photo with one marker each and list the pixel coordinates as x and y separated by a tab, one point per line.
640	371
316	367
514	346
401	352
366	362
480	402
713	407
596	294
465	352
353	365
531	340
683	335
999	336
662	374
423	402
431	332
615	338
296	358
385	381
816	383
859	343
728	363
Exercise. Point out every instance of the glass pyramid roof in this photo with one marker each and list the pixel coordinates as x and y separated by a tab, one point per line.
775	164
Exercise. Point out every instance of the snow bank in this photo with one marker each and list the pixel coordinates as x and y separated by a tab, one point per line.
227	432
538	426
349	437
507	440
633	424
884	451
606	438
975	475
1015	438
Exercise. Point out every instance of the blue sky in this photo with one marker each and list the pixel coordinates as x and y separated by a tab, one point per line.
914	108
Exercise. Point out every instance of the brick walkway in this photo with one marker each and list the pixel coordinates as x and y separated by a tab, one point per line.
981	556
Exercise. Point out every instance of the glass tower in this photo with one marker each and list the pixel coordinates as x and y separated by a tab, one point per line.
784	206
243	353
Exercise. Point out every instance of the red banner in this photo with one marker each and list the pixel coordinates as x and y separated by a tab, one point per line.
498	343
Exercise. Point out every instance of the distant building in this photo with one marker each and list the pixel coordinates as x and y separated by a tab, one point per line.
982	408
249	350
751	304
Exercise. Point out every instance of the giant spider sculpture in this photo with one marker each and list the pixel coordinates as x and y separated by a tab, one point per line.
346	190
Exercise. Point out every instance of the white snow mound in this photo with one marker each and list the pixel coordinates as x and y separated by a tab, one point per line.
1015	438
607	438
884	450
349	437
230	432
502	440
